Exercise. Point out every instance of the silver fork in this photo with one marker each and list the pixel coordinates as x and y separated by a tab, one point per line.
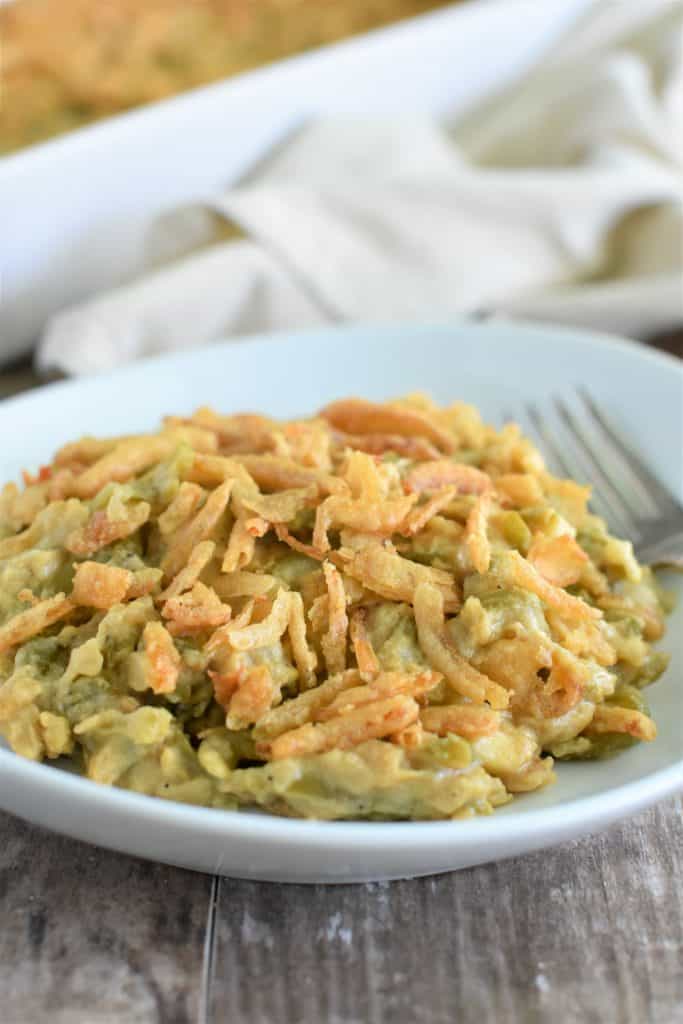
625	491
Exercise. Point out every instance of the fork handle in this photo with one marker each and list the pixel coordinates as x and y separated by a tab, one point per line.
668	551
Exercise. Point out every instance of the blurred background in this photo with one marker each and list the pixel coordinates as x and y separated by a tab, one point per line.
68	63
382	161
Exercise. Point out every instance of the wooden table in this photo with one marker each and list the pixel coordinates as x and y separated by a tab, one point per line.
588	933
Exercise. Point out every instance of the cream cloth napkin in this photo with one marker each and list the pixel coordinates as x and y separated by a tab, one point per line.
561	198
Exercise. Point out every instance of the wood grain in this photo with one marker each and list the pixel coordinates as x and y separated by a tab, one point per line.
17	378
588	933
89	937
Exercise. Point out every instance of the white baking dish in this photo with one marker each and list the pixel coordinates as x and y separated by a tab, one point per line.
75	211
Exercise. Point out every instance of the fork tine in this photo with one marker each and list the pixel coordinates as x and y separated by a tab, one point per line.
576	469
541	428
618	508
658	499
666	550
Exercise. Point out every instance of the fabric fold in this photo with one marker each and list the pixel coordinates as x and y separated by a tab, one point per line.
560	198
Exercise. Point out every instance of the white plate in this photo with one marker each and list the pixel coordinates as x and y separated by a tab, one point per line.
495	366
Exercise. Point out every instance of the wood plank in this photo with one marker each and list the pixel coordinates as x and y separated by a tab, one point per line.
92	937
588	933
670	341
17	378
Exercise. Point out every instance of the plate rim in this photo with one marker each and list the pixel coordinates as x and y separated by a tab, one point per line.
579	812
578	335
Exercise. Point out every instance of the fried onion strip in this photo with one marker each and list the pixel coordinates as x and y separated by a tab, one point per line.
565	685
376	444
356	416
515	571
24	625
610	718
126	459
334	641
100	531
276	473
476	539
559	560
190	573
518	490
380	518
370	721
253	696
299	710
388	574
423	514
304	658
281	507
186	501
199	609
162	658
185	539
366	659
212	470
286	537
467	720
387	684
433	476
100	586
441	655
261	634
243	583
